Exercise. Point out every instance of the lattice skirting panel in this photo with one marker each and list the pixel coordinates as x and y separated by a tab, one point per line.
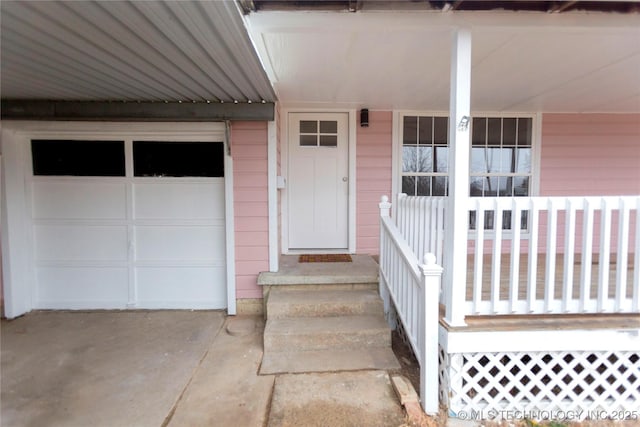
582	383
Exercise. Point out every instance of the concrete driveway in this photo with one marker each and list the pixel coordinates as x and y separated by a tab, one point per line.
169	368
127	369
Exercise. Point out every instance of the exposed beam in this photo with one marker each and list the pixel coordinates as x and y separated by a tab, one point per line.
130	111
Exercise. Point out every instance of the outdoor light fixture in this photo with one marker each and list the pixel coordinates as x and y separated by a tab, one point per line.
364	118
464	123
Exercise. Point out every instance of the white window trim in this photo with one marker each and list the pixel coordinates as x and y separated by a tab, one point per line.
284	153
536	149
17	240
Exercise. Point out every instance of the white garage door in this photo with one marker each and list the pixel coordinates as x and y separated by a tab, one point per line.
127	223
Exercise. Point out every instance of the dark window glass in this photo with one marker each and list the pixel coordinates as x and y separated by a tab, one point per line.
525	128
308	140
494	132
308	126
441	130
425	130
410	131
409	185
440	186
509	131
424	186
329	126
328	140
77	158
479	135
178	159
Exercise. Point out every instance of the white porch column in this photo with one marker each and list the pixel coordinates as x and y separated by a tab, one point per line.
457	219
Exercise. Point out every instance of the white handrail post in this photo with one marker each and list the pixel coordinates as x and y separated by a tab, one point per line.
429	390
457	209
385	209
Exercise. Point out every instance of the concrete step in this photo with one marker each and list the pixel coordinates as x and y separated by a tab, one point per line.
324	286
283	302
328	361
322	333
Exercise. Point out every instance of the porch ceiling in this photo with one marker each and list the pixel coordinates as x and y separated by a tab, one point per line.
522	61
129	50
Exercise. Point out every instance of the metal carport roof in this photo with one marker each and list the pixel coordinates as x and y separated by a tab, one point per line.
152	52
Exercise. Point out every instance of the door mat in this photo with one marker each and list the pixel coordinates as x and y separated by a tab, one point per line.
325	258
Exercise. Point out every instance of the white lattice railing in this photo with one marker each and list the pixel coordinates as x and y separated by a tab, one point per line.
541	385
413	289
554	255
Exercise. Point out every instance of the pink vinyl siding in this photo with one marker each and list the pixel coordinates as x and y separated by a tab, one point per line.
590	155
373	172
249	152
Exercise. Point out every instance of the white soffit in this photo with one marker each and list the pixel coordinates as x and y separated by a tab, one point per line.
129	50
522	61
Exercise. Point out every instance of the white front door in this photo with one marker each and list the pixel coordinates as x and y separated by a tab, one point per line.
318	186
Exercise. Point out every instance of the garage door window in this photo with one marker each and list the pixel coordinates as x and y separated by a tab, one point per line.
178	159
77	158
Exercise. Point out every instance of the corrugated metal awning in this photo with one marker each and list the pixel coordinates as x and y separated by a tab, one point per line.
129	51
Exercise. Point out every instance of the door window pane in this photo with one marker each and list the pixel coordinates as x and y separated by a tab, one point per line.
178	159
308	126
77	157
308	140
328	126
328	140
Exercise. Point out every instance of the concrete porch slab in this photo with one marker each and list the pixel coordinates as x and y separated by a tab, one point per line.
335	399
363	269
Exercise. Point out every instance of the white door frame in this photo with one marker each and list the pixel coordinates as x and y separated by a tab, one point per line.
284	160
17	240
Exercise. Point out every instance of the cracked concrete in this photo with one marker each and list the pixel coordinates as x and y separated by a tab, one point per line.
169	369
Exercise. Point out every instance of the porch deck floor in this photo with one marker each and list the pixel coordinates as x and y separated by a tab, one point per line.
547	322
505	271
362	269
550	321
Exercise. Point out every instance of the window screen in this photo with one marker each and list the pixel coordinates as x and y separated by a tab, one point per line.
77	157
178	159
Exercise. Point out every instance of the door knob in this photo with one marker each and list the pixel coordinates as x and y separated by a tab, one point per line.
345	179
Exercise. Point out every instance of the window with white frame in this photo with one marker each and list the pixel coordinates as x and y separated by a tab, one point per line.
425	151
500	159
